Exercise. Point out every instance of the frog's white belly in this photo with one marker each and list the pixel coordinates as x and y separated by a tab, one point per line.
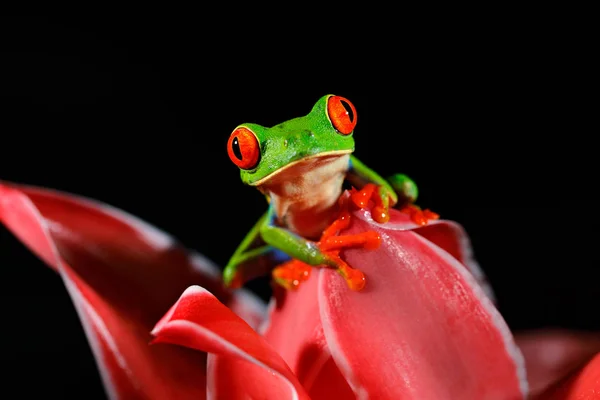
305	194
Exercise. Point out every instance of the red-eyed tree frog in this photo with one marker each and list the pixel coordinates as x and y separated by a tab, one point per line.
300	166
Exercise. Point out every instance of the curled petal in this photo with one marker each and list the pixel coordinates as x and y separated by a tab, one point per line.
122	275
295	331
421	328
247	365
552	354
248	307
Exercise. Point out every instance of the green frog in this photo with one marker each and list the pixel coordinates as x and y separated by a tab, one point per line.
300	166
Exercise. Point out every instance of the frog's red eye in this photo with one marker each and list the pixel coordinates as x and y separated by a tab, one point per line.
342	114
243	148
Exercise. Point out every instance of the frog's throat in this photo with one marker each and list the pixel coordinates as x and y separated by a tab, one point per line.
294	163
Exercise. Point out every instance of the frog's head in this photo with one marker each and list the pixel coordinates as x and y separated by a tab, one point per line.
261	153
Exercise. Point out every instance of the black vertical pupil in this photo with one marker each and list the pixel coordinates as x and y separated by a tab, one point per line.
236	148
348	110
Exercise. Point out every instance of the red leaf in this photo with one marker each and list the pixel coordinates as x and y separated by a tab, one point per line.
122	275
422	328
246	366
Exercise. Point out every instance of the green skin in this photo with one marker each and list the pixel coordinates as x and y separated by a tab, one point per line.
284	145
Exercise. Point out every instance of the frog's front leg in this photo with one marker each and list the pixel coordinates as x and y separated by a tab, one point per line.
405	188
373	187
306	254
407	192
397	190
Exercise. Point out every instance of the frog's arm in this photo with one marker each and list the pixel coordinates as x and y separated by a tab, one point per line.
251	259
400	189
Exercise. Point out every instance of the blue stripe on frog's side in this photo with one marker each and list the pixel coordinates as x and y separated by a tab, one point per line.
276	255
279	256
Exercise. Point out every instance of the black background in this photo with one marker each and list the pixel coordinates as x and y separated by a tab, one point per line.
136	111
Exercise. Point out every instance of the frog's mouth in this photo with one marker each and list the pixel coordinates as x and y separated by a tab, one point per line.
307	162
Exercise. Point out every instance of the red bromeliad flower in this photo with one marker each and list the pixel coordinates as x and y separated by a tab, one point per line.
422	328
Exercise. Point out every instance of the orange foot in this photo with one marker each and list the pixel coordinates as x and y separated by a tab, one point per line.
418	216
332	243
292	273
370	191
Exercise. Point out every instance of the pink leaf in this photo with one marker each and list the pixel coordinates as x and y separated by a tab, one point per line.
294	329
245	365
448	235
122	275
422	328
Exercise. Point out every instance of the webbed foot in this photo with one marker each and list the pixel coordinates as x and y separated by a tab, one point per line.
380	195
291	274
418	216
407	195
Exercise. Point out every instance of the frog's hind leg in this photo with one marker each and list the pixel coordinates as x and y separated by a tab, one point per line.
252	258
